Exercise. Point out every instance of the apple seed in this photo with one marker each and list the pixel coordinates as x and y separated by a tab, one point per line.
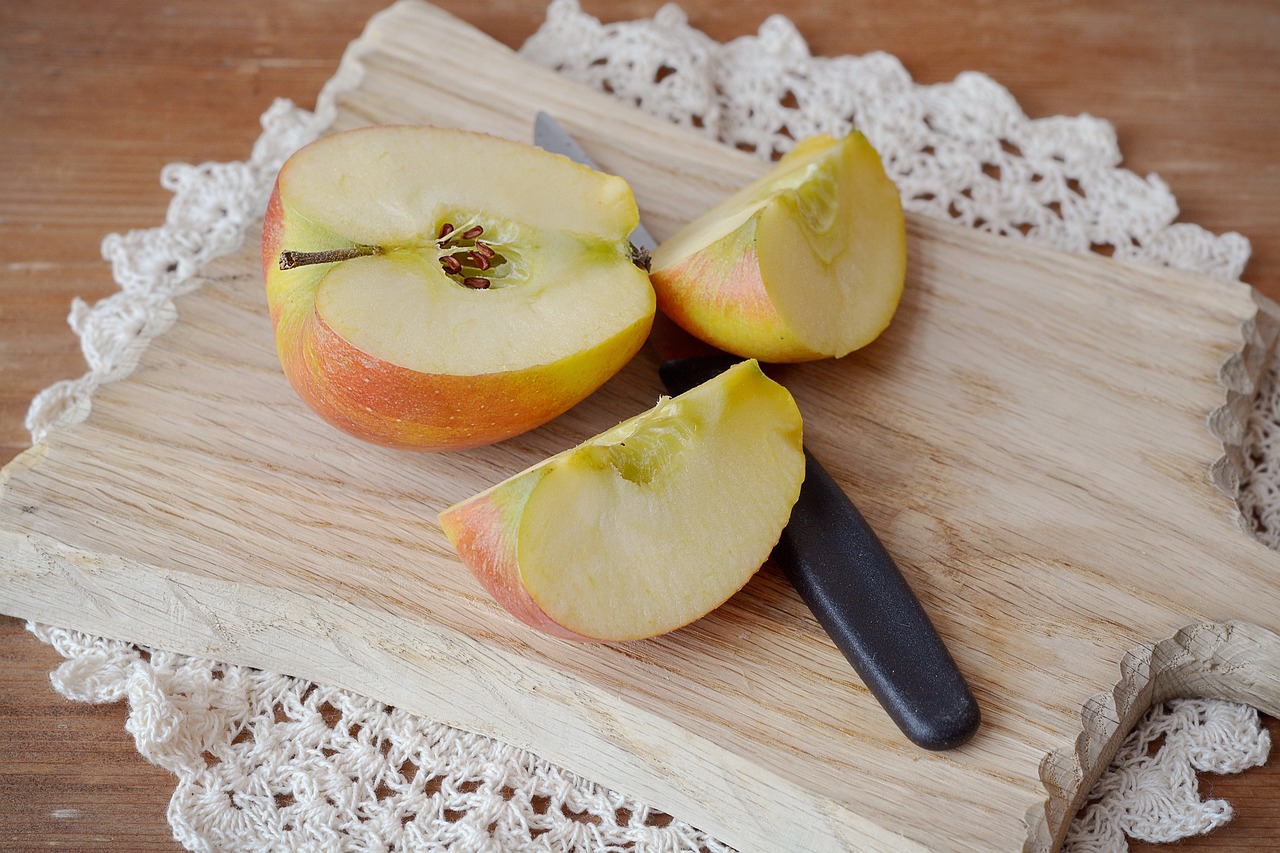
461	252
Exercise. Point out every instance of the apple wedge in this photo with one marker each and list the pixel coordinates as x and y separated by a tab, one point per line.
807	262
649	525
440	289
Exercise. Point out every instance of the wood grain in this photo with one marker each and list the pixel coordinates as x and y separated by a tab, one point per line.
70	776
1036	593
1183	61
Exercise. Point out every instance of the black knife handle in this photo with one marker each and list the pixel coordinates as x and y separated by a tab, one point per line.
851	583
854	588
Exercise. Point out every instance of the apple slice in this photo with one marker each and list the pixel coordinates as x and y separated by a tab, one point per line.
441	289
807	262
649	525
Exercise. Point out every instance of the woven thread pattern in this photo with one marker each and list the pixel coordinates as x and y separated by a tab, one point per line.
269	762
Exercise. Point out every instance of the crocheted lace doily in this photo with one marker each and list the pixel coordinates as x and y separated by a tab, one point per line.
269	762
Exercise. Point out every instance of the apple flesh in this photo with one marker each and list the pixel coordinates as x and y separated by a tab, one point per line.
649	525
440	289
807	262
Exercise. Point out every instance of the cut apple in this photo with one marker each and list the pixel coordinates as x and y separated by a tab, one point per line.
440	289
807	262
647	526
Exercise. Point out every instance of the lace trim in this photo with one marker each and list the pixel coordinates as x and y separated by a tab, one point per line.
962	150
270	762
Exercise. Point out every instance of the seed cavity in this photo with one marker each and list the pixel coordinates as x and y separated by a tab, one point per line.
463	255
639	450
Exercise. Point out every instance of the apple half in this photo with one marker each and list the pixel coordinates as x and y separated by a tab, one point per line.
441	289
649	525
807	262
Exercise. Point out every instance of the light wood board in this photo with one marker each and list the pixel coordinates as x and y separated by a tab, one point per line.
1046	443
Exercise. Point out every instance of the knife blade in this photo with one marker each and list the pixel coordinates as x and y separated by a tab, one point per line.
841	569
550	136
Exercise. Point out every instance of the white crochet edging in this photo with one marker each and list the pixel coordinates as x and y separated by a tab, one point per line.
270	762
1155	797
962	150
212	206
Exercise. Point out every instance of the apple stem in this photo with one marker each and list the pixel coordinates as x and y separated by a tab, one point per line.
289	260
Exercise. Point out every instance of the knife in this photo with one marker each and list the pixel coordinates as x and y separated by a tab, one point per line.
840	567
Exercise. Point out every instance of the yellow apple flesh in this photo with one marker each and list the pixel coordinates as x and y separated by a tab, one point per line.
807	262
448	289
649	525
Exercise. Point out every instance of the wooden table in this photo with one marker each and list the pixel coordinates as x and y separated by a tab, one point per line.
97	97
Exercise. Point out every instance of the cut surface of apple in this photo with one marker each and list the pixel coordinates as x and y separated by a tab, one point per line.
437	288
807	262
649	525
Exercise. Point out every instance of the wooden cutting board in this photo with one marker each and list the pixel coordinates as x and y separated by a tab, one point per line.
1048	444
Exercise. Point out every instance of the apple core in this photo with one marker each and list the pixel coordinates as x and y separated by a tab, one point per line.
440	289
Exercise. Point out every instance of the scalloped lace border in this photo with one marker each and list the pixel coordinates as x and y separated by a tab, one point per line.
270	762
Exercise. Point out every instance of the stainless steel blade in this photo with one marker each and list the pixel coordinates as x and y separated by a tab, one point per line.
550	136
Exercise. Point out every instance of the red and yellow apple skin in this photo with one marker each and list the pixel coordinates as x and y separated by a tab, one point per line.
390	405
485	532
379	400
807	262
649	525
383	403
718	295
